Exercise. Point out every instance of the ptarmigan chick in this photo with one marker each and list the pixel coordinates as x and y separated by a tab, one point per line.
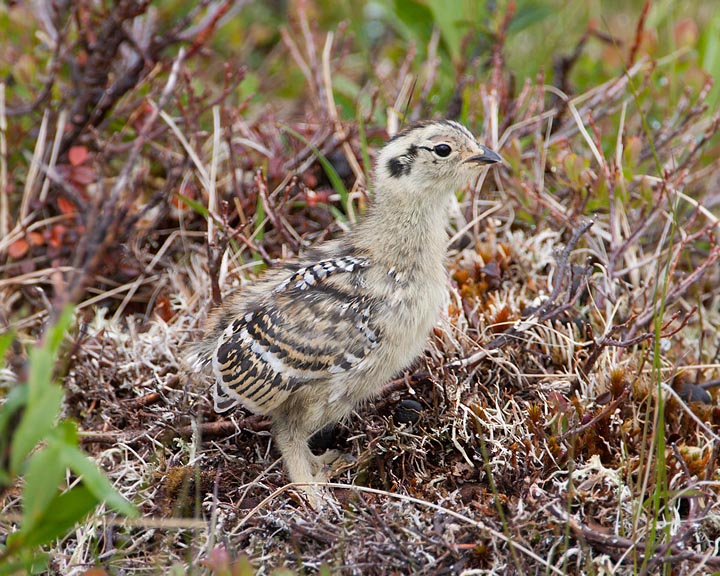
310	342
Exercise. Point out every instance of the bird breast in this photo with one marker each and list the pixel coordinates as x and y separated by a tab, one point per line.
412	302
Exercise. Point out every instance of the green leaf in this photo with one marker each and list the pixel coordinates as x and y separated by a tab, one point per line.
56	333
709	52
529	15
28	564
10	414
43	397
337	214
42	363
44	474
194	205
60	515
413	20
38	419
259	232
95	480
249	86
451	17
66	433
5	341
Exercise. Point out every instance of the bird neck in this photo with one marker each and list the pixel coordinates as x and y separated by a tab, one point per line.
401	232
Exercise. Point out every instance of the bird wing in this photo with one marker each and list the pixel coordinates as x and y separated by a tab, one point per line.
316	323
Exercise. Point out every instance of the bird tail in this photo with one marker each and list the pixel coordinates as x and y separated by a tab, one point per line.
198	356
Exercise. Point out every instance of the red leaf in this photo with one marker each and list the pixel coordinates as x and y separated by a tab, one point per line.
559	401
164	308
94	571
66	207
36	239
18	249
56	235
77	155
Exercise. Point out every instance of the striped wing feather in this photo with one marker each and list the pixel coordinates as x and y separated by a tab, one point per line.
308	329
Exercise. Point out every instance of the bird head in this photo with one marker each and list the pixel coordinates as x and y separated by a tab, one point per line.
432	156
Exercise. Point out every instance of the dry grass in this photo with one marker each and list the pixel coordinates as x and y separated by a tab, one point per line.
569	418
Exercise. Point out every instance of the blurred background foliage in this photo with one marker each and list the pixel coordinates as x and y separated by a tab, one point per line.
382	32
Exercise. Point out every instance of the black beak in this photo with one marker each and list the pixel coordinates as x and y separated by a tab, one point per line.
487	156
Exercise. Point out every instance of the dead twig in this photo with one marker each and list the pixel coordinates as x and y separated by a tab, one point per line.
113	213
611	542
607	339
549	308
604	413
223	428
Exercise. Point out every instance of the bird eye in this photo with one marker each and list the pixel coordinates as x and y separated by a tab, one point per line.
442	150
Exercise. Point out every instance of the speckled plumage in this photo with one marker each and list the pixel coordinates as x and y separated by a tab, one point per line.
312	326
311	341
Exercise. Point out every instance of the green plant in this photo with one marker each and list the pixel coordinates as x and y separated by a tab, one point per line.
39	449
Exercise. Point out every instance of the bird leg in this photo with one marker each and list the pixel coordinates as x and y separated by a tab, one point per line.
296	453
302	465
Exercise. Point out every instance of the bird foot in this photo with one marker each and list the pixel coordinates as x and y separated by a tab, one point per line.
317	497
331	463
